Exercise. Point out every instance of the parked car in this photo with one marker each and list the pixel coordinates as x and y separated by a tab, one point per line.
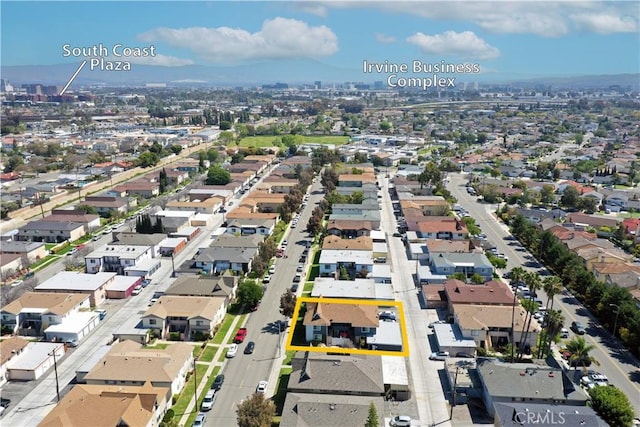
437	322
300	268
297	277
262	387
564	333
208	401
232	350
199	421
217	383
136	290
294	288
578	328
266	278
400	421
439	355
272	269
387	316
240	336
249	348
71	343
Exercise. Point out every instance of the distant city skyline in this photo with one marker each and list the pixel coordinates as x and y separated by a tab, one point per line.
507	39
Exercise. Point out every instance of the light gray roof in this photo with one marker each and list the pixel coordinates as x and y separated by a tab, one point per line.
367	215
505	380
515	414
452	258
51	225
337	374
328	410
21	247
202	286
227	240
235	255
136	239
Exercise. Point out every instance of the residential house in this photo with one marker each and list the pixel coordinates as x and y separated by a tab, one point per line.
152	241
520	413
108	206
50	231
353	263
9	348
533	384
595	221
447	264
349	229
362	243
493	292
337	375
328	287
11	265
310	409
350	326
34	361
224	286
490	326
72	282
188	317
33	312
140	187
116	258
110	405
28	251
209	205
91	222
250	226
366	216
130	364
448	228
263	202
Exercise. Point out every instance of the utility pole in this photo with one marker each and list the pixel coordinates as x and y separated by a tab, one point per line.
615	322
453	397
55	368
195	384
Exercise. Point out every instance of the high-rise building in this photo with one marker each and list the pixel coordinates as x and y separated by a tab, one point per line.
33	89
318	84
5	86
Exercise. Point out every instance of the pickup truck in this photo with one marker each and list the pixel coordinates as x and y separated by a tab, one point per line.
240	336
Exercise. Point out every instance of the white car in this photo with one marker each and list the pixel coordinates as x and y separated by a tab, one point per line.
208	401
137	290
266	279
232	351
262	387
439	355
272	269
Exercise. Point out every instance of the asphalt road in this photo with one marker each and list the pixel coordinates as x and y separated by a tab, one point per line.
615	361
244	371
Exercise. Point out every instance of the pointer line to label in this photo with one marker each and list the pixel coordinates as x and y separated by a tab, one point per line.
73	77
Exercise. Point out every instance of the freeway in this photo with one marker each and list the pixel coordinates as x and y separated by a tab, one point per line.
622	368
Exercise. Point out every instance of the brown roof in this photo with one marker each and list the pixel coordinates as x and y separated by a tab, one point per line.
492	293
615	267
434	292
10	347
52	302
345	224
106	406
362	243
189	307
324	314
594	220
440	245
129	361
470	316
442	226
242	213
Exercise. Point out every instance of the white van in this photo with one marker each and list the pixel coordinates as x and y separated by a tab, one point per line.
209	399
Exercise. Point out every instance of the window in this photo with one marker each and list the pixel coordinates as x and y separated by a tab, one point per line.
198	322
317	328
365	330
152	321
51	318
475	333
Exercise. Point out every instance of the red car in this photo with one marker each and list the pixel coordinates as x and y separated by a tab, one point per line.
240	335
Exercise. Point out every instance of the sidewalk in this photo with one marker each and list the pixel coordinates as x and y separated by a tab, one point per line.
222	348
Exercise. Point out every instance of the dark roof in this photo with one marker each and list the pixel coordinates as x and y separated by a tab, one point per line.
519	414
328	410
202	286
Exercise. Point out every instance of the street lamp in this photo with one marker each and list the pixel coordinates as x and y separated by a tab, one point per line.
55	369
615	322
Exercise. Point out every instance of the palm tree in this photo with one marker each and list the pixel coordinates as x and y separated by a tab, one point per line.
555	322
516	276
552	286
532	280
579	350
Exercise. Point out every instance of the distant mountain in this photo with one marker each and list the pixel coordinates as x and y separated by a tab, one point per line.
285	71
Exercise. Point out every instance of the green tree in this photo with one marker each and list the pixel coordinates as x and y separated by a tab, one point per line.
477	279
217	175
225	125
287	303
249	293
256	411
13	162
458	276
372	418
569	197
88	209
547	194
147	159
385	126
612	405
431	175
580	350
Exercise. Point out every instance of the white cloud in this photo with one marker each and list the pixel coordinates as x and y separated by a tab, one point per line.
311	7
543	18
279	38
161	60
465	45
605	24
385	38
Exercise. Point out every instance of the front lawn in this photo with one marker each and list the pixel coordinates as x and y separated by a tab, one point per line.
208	353
274	140
281	389
210	380
187	392
224	328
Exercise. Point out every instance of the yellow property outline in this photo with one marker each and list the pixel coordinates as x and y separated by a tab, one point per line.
376	302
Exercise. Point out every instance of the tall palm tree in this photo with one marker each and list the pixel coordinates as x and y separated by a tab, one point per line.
579	350
517	275
532	280
555	322
552	286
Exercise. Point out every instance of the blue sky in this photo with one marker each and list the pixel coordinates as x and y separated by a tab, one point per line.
521	38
